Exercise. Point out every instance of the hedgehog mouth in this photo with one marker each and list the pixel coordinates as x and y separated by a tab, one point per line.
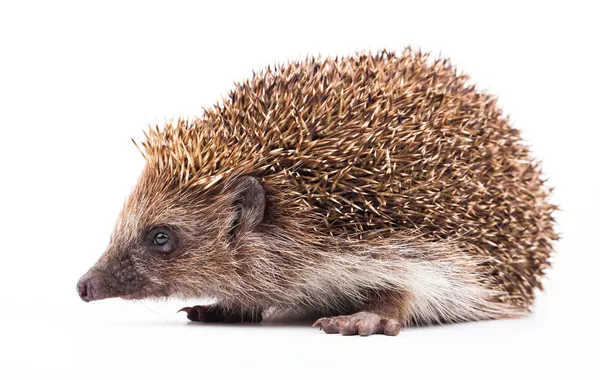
146	291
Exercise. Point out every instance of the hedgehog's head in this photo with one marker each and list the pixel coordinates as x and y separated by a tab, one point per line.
174	240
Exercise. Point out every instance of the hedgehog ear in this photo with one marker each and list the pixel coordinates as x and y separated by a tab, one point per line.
249	204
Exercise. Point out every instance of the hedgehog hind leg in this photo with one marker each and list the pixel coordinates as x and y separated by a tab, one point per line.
412	282
363	323
386	317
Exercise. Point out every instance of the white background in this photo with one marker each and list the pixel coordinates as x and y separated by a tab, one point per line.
77	80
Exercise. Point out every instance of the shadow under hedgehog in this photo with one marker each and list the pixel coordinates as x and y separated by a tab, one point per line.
373	191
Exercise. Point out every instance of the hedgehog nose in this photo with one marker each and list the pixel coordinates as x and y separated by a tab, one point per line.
84	288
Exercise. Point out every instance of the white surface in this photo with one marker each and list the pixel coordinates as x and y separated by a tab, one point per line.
78	80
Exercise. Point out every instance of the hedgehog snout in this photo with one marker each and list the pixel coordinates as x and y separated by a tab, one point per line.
93	286
85	287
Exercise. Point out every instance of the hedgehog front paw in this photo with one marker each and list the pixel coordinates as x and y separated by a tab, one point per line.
363	323
214	313
202	313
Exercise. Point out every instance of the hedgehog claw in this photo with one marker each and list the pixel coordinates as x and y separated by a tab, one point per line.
327	325
319	322
196	313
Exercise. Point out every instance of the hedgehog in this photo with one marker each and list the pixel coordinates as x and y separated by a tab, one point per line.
370	192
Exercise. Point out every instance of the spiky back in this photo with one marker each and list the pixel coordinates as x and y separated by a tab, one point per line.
371	144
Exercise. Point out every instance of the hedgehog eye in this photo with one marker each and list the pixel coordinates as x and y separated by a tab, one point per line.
161	240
